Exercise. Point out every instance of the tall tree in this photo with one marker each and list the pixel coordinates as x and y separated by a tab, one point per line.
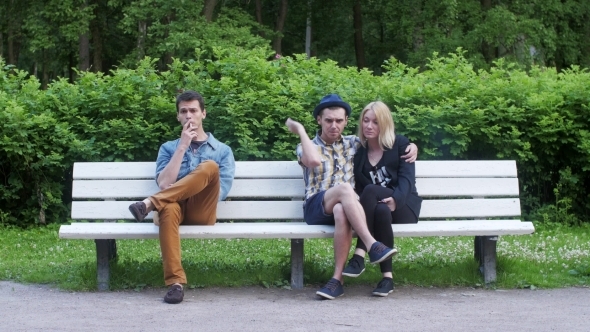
359	45
97	30
209	9
486	49
259	16
279	27
84	46
83	52
308	31
53	29
14	13
163	30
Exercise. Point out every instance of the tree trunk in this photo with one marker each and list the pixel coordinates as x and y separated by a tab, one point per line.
45	75
84	47
2	45
417	36
308	31
11	47
359	46
71	64
209	9
84	52
13	25
487	50
259	16
281	18
142	34
97	47
168	56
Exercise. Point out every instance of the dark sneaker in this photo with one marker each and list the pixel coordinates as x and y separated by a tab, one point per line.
332	290
175	294
380	252
356	266
384	287
138	210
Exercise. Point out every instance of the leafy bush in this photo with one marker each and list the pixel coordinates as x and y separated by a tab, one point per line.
37	150
537	117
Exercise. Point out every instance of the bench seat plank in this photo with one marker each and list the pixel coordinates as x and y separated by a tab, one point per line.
465	168
427	187
290	169
289	230
147	170
287	210
109	189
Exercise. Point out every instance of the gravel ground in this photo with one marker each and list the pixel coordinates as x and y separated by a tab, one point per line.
43	308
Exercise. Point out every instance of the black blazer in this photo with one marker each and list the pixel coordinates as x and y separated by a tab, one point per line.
403	174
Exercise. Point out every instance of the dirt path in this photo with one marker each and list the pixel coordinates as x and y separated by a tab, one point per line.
42	308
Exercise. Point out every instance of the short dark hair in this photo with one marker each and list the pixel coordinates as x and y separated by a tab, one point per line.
190	95
332	108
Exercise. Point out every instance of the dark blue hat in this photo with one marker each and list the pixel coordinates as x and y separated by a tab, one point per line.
329	101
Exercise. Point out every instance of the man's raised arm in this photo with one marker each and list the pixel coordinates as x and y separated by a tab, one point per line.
310	156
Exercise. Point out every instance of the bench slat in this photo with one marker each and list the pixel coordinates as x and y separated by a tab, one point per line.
112	189
290	169
465	168
268	188
147	170
289	230
288	210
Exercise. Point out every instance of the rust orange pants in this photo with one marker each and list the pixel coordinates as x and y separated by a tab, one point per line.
192	200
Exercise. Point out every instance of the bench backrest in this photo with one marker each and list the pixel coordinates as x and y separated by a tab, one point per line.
274	190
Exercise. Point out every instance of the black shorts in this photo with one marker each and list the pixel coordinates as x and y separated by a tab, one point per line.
313	211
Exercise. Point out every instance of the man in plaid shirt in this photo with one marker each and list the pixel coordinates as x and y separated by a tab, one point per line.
330	199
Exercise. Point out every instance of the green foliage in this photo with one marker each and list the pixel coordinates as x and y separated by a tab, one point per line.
48	38
452	111
565	193
36	151
176	31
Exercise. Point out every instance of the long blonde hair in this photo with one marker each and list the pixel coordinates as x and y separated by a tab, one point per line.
384	121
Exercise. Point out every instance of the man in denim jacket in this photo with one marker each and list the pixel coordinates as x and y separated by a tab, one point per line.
193	172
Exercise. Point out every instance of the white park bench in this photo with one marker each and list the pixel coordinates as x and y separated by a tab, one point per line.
461	198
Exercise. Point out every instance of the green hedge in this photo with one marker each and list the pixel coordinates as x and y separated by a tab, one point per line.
538	117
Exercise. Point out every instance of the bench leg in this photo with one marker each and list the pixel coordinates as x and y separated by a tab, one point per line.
485	254
106	250
297	263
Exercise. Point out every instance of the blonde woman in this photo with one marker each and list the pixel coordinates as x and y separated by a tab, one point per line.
386	185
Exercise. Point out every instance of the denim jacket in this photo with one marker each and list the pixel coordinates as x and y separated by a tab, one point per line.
212	149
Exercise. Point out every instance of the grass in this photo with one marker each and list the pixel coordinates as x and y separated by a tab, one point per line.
553	257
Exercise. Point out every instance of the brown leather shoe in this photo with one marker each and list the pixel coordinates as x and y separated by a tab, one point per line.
138	210
175	294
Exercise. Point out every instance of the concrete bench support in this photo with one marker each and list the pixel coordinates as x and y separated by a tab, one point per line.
297	258
106	251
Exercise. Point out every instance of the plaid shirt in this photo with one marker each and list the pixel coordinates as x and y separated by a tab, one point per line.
335	168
